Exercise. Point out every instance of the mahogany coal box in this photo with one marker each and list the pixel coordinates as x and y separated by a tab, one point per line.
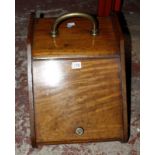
76	79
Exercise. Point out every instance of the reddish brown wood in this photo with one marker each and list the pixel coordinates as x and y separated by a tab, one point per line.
108	8
71	41
119	36
101	8
105	7
89	98
117	5
124	93
92	97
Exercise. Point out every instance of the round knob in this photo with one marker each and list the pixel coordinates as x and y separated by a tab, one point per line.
79	131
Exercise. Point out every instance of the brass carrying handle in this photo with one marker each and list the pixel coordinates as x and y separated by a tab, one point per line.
94	30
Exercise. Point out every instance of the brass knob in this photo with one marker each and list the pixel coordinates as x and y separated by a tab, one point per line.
79	131
75	14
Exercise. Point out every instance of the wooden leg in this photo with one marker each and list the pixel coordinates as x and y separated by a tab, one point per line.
101	7
117	5
106	6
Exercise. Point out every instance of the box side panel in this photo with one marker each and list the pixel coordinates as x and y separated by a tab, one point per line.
120	37
124	92
30	77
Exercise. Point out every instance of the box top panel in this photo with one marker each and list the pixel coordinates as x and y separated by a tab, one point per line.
75	41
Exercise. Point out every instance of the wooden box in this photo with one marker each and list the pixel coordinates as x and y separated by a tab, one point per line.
77	85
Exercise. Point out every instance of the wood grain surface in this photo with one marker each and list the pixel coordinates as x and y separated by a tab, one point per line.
119	36
67	98
76	41
91	97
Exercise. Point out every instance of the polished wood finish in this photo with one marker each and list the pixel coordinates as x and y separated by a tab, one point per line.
91	97
76	41
120	37
68	98
124	93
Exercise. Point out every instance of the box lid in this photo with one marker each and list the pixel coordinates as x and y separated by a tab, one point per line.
75	41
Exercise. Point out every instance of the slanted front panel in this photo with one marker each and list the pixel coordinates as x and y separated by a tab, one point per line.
72	94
